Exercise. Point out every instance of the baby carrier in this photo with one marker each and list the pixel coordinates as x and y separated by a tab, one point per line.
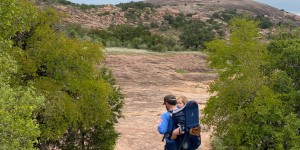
187	118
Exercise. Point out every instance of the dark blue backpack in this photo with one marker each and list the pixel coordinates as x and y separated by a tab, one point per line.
188	119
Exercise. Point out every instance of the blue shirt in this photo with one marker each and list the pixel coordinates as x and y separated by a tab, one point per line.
166	125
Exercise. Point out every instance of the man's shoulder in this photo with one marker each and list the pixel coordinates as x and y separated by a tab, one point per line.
166	115
167	112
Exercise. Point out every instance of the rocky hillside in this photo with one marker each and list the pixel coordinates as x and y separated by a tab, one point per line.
104	16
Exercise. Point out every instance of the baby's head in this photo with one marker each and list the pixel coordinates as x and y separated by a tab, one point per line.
181	101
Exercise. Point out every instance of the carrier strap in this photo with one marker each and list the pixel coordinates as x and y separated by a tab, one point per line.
182	141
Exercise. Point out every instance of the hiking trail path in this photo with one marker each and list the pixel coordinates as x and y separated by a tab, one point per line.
145	78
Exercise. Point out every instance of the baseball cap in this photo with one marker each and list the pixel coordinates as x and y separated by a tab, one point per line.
170	99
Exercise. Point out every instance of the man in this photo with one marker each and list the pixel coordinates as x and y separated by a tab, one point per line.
166	124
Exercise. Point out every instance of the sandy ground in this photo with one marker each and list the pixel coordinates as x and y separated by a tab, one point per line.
145	78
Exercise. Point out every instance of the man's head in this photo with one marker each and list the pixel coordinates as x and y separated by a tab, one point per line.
170	101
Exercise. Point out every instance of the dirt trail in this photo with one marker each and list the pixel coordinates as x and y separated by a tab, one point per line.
145	79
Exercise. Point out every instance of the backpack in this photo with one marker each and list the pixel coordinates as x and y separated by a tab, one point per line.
188	119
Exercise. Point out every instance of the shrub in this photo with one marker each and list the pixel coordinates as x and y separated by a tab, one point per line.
177	48
64	2
135	5
264	22
164	27
132	14
154	24
176	22
104	13
159	48
127	33
195	35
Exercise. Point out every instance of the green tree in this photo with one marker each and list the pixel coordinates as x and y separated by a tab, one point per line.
64	73
17	103
285	54
246	111
128	33
15	16
80	102
176	22
195	34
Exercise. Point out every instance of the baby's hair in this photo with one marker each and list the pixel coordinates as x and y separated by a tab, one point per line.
183	99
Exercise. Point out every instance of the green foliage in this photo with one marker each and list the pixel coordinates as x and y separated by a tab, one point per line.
64	2
87	7
177	21
154	24
216	27
99	138
226	15
195	34
76	100
159	48
15	16
264	22
127	33
81	104
76	31
286	56
104	14
17	103
132	14
115	100
218	144
125	36
281	82
286	32
18	129
250	109
135	5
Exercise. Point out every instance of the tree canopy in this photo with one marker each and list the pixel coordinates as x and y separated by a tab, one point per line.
250	107
53	93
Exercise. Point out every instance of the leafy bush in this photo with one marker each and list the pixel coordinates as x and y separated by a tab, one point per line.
217	144
257	94
264	22
87	7
177	48
154	24
135	5
132	15
195	34
18	102
226	15
159	48
176	22
64	2
79	102
164	27
124	36
104	14
127	33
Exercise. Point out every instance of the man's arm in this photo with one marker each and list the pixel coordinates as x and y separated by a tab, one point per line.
163	125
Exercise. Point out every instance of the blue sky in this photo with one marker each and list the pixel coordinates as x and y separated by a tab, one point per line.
292	6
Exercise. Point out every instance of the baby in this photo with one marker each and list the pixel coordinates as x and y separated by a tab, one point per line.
181	101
